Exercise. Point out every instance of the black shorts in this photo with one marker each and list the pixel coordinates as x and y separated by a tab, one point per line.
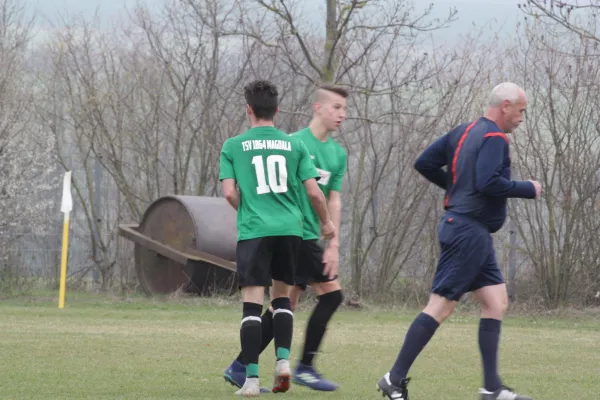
467	261
262	259
310	264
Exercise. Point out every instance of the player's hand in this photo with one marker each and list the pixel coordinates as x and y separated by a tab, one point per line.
538	188
331	261
328	230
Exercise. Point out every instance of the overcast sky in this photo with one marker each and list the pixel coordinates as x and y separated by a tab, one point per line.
499	12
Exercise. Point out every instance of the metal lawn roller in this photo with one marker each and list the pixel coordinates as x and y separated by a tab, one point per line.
185	242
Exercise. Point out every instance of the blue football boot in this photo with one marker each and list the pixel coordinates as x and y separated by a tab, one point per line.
306	375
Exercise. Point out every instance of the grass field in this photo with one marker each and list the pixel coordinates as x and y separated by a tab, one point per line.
109	348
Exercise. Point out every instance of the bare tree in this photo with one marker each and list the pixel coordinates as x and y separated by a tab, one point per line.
394	214
375	49
576	16
149	103
26	153
79	107
279	27
140	111
561	148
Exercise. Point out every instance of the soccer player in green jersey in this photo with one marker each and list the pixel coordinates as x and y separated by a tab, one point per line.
316	266
268	167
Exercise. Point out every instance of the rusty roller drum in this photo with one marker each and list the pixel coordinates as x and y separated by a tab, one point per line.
185	243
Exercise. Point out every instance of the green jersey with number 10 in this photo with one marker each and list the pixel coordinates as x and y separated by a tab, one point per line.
269	167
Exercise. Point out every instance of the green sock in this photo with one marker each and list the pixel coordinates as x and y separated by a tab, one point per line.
283	353
252	371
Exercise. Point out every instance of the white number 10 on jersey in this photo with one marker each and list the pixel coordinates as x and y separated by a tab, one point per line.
275	166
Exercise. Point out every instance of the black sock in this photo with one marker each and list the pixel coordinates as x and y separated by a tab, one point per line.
317	324
267	332
489	338
283	326
250	333
419	334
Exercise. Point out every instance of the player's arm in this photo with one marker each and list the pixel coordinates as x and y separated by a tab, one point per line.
227	176
317	200
308	174
231	193
334	202
334	205
431	162
490	162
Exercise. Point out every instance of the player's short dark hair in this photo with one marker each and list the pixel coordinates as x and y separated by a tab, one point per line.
335	89
262	97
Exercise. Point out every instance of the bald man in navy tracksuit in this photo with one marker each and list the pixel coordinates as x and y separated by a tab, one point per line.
477	182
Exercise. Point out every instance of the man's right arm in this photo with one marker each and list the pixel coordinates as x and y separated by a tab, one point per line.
227	176
317	200
432	160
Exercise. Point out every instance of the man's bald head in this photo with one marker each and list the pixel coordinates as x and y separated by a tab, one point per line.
506	104
506	91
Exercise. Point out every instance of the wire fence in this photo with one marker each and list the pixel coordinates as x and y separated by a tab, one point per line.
35	259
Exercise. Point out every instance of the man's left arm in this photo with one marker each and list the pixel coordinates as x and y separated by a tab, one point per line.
331	257
334	205
334	200
490	162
